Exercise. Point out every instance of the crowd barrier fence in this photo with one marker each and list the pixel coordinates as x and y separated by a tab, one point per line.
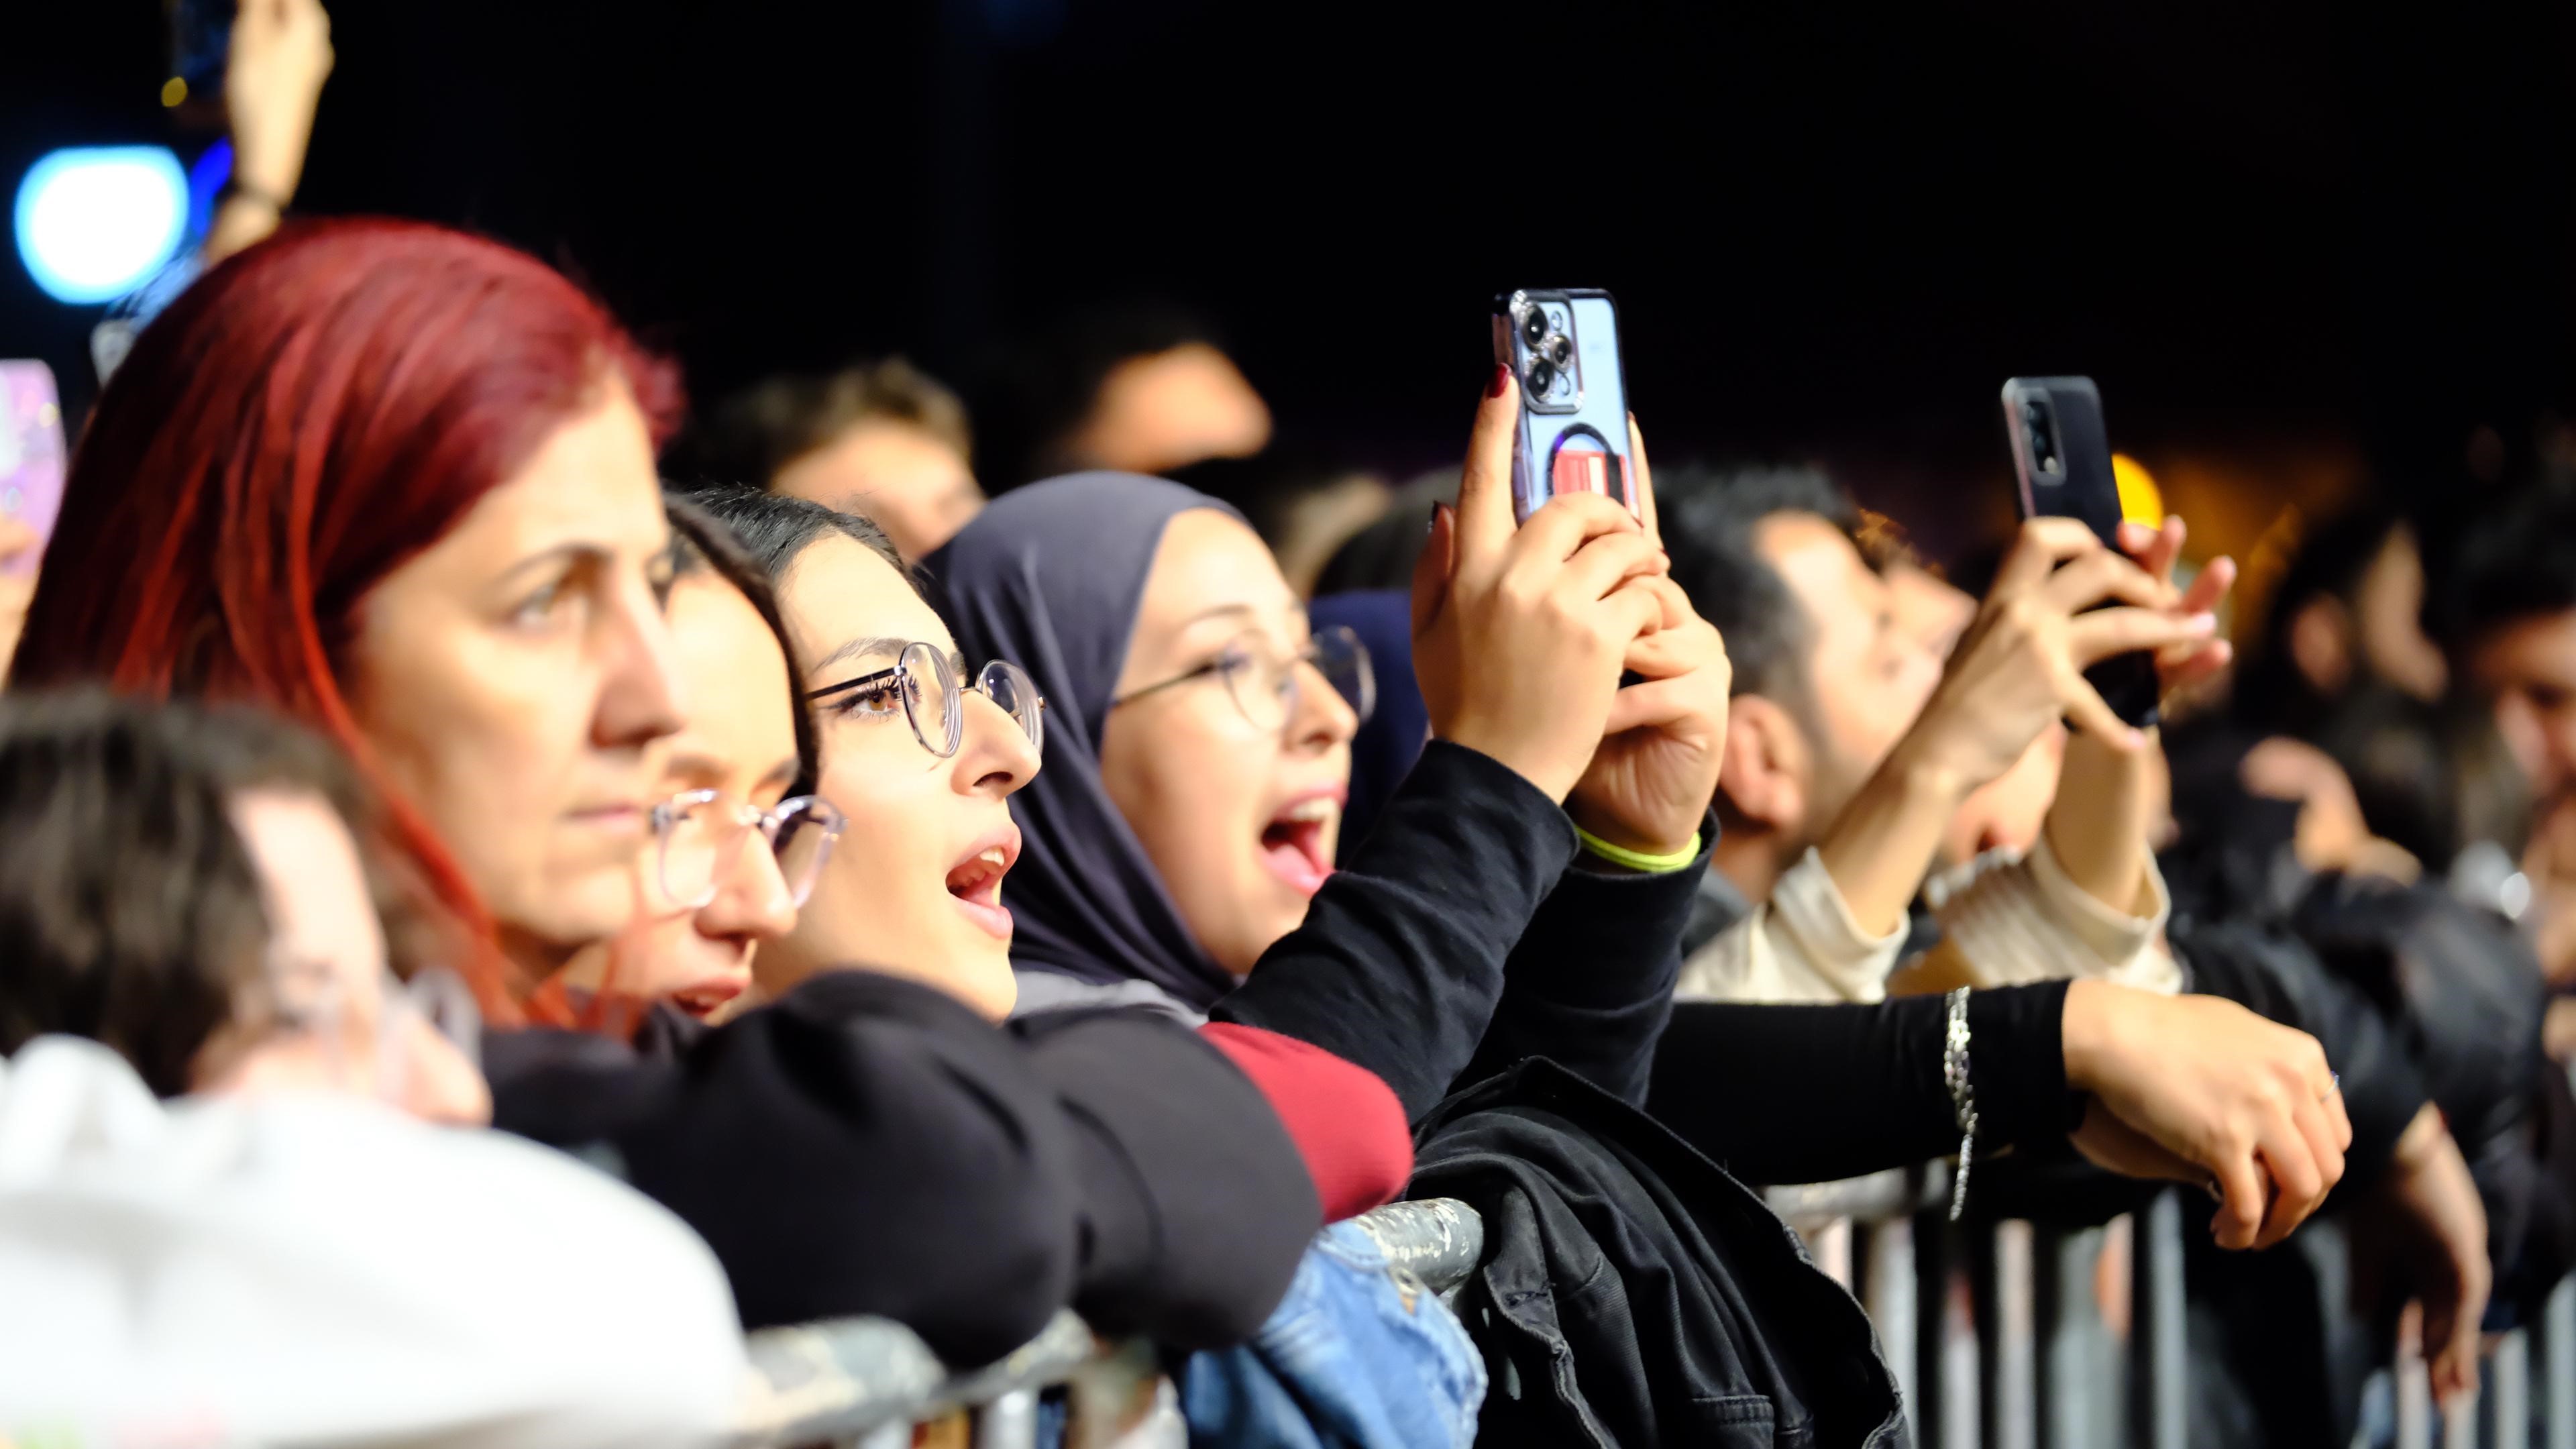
2025	1358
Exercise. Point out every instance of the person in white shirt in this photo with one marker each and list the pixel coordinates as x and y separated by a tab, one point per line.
244	1197
1852	749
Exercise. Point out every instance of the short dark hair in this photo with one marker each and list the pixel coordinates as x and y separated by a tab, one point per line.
708	546
131	910
2271	692
774	529
2510	563
2435	779
1043	388
1710	519
757	432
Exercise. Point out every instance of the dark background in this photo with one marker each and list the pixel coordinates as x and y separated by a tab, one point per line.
2300	245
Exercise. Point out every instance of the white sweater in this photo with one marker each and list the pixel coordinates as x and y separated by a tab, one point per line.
310	1270
2013	918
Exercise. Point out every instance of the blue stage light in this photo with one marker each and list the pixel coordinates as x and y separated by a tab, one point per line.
95	222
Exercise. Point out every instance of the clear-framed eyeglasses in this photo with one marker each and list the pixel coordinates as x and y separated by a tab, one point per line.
699	834
924	684
1264	682
309	1005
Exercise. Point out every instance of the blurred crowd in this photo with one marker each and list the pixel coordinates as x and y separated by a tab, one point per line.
510	878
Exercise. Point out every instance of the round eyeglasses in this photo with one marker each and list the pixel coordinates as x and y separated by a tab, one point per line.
923	685
699	833
1264	684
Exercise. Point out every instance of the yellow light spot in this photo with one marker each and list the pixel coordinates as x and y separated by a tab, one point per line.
174	90
2141	501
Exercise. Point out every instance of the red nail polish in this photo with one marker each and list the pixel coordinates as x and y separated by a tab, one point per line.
1502	375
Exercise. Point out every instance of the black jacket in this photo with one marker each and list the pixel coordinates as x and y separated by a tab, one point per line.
866	1145
1632	1293
1468	931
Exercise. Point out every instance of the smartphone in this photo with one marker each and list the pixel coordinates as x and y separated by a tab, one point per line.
2062	466
1573	437
32	452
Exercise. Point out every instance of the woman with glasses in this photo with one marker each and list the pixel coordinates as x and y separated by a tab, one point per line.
739	836
397	483
1524	893
293	1242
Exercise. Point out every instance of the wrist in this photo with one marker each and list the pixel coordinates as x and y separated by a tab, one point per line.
1662	839
1923	779
2088	1032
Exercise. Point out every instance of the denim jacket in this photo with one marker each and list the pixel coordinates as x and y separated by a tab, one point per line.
1359	1355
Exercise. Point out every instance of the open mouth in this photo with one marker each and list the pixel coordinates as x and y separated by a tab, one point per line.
703	999
975	882
1293	844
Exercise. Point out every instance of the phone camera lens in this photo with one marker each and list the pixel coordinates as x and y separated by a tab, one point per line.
1534	327
1560	349
1542	376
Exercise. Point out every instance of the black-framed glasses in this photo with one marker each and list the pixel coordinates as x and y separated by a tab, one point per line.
698	833
1263	682
923	684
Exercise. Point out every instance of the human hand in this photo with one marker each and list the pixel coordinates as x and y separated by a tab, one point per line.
1650	782
19	550
1519	634
281	54
2440	1246
2020	665
2156	550
2249	1104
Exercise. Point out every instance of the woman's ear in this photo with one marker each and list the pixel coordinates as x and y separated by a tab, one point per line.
1763	777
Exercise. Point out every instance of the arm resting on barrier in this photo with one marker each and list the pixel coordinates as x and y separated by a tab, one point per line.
1812	1093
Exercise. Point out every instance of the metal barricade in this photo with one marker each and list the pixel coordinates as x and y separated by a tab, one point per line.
867	1382
2036	1365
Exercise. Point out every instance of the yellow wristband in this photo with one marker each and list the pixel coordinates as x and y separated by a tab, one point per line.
1638	860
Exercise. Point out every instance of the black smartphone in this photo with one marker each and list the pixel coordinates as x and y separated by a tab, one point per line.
1573	437
2062	465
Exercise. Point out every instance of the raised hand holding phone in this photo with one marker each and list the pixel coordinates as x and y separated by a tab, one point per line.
1650	783
1520	634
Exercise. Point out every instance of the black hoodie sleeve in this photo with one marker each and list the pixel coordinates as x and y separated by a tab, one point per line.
867	1145
1399	964
1590	983
1786	1094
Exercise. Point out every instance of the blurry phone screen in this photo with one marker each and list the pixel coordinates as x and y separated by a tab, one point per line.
32	451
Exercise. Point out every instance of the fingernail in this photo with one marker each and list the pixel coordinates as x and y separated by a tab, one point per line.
1502	375
2202	623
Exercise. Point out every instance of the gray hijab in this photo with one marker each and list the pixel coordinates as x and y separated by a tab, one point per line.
1050	576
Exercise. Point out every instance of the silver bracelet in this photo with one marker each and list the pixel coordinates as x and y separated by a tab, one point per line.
1963	1095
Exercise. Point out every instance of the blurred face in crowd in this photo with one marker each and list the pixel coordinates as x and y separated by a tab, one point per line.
915	886
1868	675
912	482
511	675
1240	820
740	742
2528	668
326	1015
2377	633
1929	610
1170	409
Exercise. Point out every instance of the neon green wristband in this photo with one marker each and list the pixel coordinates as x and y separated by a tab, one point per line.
1638	860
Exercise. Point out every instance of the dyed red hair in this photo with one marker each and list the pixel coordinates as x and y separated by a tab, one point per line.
305	418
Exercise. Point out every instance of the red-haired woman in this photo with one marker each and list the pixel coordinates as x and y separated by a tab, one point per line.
398	483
